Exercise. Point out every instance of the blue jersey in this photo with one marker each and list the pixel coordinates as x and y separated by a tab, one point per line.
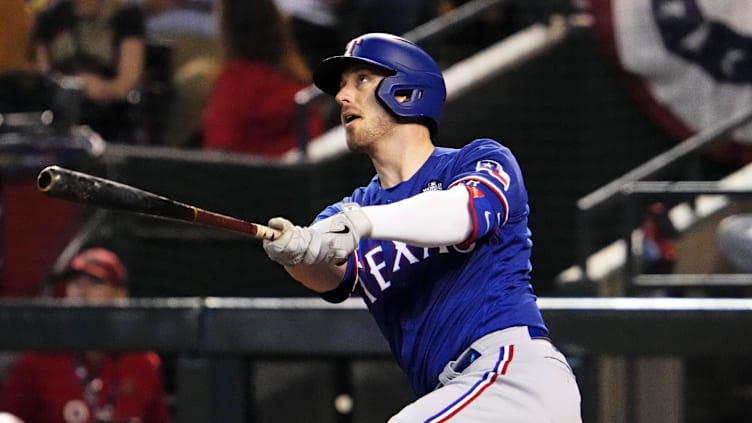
432	303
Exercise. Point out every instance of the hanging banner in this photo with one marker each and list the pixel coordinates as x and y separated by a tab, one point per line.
688	63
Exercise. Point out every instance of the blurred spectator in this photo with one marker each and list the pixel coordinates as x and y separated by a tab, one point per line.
100	43
316	26
168	17
251	108
658	241
22	89
188	27
193	82
16	21
91	386
39	5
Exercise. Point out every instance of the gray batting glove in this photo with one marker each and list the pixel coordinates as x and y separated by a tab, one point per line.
336	237
291	246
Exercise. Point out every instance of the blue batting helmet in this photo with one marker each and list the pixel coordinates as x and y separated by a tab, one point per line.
413	73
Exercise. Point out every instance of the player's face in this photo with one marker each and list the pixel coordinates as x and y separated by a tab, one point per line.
364	118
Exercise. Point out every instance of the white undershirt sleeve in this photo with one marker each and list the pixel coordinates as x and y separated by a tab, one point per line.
429	219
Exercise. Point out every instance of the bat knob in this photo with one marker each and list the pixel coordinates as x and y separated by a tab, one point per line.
46	177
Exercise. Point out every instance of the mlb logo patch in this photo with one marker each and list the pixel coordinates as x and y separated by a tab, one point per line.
433	186
494	169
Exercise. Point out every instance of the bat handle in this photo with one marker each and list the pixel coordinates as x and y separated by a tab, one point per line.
265	232
221	221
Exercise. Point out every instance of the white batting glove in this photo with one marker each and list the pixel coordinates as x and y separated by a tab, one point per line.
291	246
336	237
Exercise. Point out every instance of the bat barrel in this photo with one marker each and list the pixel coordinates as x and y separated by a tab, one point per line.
86	189
83	188
63	183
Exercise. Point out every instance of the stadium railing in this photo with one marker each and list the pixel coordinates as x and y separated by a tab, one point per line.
628	185
216	338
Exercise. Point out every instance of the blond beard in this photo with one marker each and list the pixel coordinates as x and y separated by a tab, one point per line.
361	140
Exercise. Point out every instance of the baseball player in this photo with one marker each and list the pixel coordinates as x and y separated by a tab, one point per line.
438	246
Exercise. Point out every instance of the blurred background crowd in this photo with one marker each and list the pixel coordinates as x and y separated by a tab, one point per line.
157	71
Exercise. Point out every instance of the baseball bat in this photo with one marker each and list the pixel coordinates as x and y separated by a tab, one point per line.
83	188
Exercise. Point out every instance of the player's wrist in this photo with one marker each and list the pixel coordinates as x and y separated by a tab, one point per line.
333	239
359	221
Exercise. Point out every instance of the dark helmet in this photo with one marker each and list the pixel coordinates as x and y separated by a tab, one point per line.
413	73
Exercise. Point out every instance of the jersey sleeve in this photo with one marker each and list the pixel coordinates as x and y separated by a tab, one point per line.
358	196
495	186
347	286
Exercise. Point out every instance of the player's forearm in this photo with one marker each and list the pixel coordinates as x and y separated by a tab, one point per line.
430	219
317	277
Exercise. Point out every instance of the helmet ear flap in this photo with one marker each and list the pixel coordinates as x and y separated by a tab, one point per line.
412	99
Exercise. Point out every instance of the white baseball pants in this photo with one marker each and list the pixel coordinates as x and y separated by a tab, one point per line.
512	378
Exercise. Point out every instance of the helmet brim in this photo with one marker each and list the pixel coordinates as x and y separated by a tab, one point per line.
328	73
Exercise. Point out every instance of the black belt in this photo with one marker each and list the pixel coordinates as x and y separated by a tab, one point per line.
537	333
465	360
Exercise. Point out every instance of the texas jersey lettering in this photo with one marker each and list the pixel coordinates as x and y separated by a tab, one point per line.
417	293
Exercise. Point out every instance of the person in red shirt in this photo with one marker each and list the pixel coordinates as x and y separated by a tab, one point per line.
251	108
87	387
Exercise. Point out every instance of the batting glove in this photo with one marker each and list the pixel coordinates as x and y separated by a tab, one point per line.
291	246
335	238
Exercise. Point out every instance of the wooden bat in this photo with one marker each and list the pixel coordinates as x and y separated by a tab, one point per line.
83	188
